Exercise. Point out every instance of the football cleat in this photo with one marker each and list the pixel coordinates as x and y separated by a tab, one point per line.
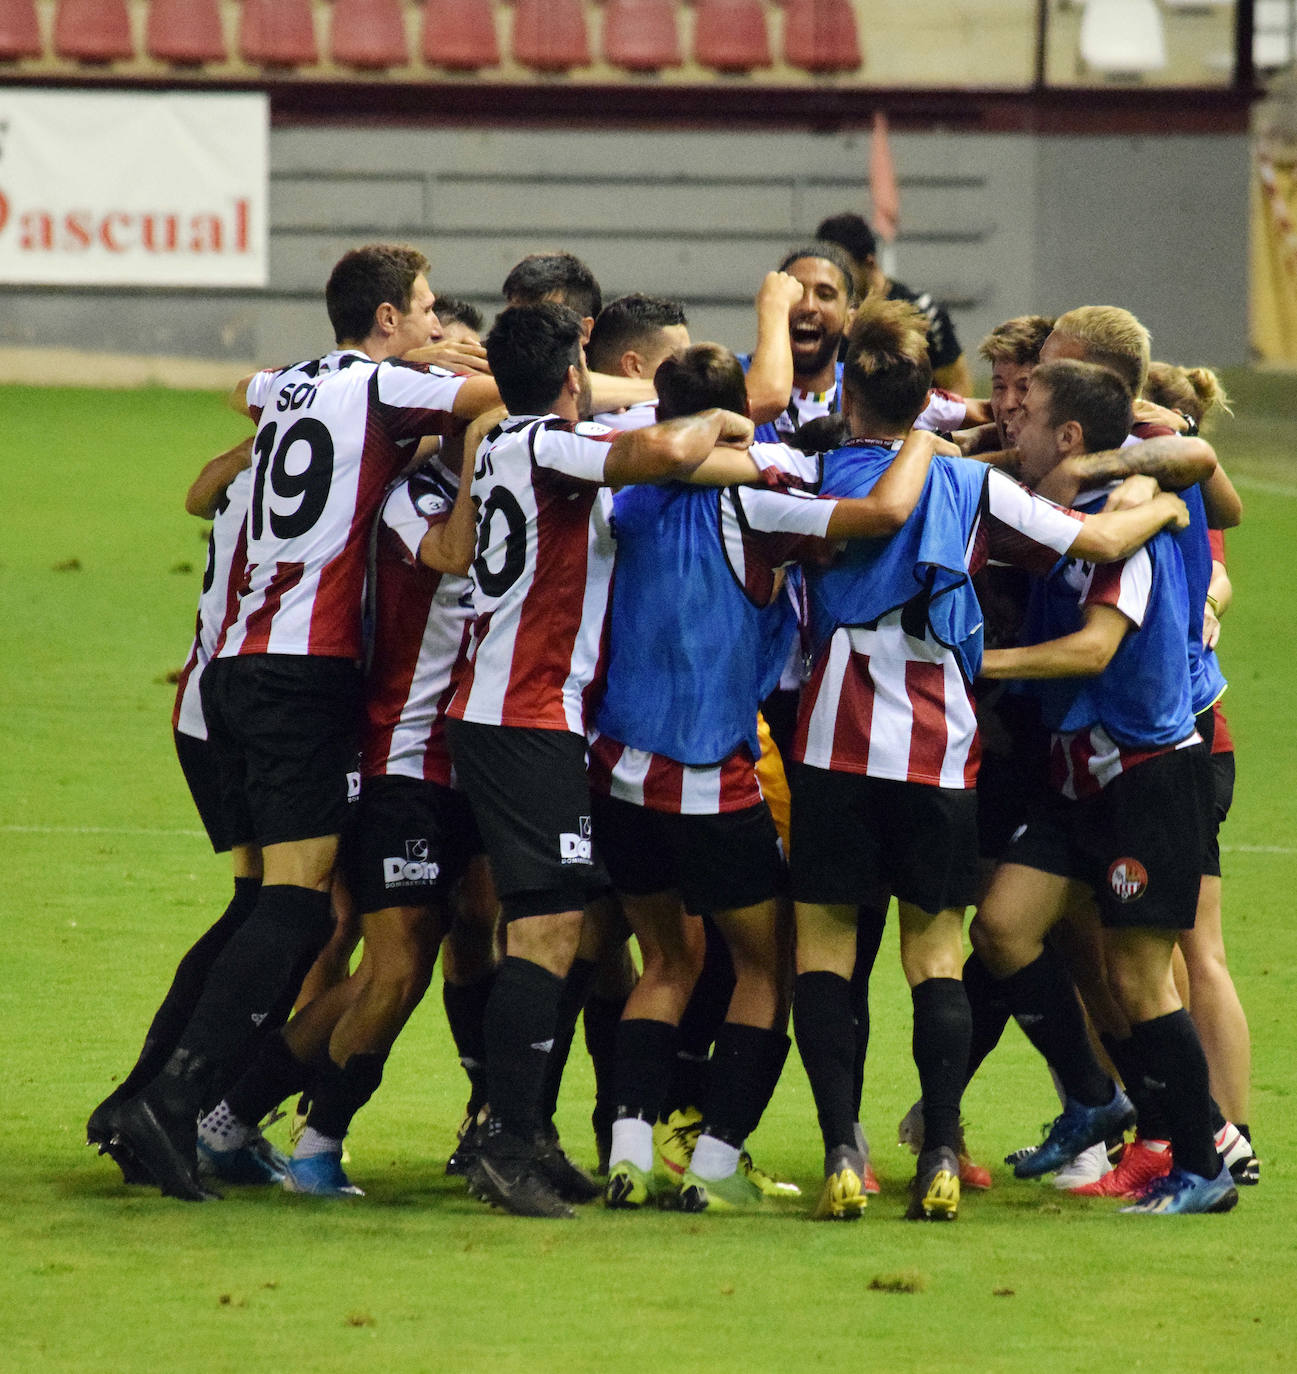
628	1188
462	1157
1140	1164
319	1176
101	1135
256	1163
1236	1150
909	1133
1180	1191
164	1149
1076	1128
734	1193
569	1180
674	1139
505	1176
770	1185
934	1193
1089	1166
843	1197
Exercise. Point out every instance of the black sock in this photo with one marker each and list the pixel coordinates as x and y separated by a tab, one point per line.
822	1022
941	1034
520	1021
1217	1118
267	958
703	1017
740	1083
465	1005
1149	1119
576	988
645	1054
342	1091
1043	1001
186	985
602	1016
1174	1067
275	1074
775	1057
1244	1130
870	922
989	1011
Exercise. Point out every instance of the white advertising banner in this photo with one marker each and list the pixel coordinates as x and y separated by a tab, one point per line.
125	189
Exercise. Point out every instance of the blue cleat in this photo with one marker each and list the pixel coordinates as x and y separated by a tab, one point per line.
320	1176
257	1164
1075	1129
1181	1191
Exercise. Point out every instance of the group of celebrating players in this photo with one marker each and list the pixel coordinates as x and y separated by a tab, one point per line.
513	650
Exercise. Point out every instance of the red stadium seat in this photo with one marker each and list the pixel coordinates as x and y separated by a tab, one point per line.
20	34
93	30
185	32
278	33
460	35
820	35
640	35
730	35
368	33
549	35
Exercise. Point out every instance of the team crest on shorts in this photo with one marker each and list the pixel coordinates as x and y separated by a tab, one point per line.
1128	879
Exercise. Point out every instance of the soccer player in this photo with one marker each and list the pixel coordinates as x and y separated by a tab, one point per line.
1131	784
886	745
632	335
517	723
282	694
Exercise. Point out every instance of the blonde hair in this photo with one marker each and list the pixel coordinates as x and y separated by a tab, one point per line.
1196	391
1111	337
1017	340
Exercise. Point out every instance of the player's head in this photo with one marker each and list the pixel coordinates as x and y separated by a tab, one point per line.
1194	391
701	377
535	355
1070	408
1013	349
459	320
851	232
887	374
561	278
381	289
817	323
634	333
1103	334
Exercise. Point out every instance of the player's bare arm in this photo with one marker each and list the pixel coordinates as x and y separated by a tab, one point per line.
673	449
1085	653
455	355
1175	462
203	498
1110	535
1223	504
449	546
475	397
770	374
609	392
893	498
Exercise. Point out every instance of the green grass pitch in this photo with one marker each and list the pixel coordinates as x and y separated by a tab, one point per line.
106	880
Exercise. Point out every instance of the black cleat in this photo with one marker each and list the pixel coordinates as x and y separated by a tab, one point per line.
100	1136
505	1174
568	1180
169	1159
464	1155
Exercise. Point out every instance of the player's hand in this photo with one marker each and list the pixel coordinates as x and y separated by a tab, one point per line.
933	442
1210	628
1177	511
736	431
779	289
1136	490
452	354
1150	413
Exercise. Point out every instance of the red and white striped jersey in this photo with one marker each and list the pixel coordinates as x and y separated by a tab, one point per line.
420	627
661	784
329	440
541	576
887	700
944	411
226	560
639	416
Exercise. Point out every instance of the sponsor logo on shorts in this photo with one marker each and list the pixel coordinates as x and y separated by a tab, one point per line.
577	849
416	867
353	786
1128	879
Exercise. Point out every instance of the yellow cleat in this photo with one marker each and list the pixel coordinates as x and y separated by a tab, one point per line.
770	1185
934	1193
843	1198
674	1140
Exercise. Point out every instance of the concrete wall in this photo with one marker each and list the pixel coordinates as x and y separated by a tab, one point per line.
997	224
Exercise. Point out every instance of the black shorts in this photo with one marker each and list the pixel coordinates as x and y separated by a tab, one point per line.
202	776
852	835
284	728
1011	776
411	843
531	801
1222	795
716	863
1138	844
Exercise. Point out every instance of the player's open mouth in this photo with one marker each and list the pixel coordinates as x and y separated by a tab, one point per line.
807	335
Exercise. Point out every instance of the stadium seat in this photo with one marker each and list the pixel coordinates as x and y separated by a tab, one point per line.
368	33
640	35
1122	39
278	33
730	35
20	34
820	35
460	35
93	30
186	32
549	35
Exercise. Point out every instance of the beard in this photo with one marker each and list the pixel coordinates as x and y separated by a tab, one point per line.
804	365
